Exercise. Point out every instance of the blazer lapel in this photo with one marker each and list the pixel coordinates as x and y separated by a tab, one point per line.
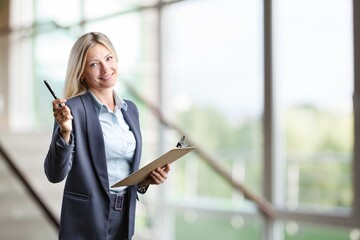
96	141
136	131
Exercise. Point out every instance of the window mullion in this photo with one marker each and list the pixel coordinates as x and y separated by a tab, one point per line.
356	158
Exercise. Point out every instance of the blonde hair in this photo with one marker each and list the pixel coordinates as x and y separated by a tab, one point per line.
73	84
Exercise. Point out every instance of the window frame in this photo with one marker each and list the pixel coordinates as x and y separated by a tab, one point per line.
343	219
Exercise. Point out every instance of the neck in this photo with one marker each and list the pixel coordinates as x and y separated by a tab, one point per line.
106	97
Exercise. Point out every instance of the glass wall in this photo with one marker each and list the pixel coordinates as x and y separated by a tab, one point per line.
212	87
313	75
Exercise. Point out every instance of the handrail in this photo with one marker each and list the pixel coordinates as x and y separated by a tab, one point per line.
49	215
265	207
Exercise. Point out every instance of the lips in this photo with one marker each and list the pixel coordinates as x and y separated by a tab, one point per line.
107	76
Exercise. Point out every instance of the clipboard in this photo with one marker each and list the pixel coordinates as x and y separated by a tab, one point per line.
140	175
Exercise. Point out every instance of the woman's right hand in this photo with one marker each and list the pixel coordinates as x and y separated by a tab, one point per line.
62	115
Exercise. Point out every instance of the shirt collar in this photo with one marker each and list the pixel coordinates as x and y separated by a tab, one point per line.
119	102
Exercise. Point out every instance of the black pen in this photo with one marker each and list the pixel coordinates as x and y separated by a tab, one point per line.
51	91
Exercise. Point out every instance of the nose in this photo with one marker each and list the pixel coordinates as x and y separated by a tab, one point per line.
103	67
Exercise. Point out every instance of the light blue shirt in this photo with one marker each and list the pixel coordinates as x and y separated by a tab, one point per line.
119	141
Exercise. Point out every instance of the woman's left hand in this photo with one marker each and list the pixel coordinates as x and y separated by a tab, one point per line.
157	176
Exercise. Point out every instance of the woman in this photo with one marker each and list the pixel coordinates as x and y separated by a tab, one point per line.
96	142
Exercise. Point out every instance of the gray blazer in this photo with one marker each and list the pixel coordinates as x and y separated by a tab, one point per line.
86	199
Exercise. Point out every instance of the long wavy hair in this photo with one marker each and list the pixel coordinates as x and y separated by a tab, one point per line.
73	84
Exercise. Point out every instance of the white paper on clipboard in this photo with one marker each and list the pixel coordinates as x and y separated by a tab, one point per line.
140	175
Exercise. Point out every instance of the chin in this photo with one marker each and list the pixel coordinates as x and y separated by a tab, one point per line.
110	82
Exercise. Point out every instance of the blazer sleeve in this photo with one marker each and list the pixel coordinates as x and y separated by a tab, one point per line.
59	158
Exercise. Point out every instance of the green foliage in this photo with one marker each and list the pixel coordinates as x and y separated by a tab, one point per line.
319	142
310	130
325	185
316	232
212	227
214	131
230	142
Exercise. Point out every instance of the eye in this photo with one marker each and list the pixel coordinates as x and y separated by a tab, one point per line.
109	58
93	64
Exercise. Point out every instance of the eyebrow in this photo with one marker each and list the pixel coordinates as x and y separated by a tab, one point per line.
107	55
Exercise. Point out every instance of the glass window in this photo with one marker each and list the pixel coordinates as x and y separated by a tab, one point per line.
51	48
313	74
191	223
212	88
125	37
50	14
110	8
293	230
52	51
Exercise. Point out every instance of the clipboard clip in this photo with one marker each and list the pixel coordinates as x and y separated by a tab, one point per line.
181	143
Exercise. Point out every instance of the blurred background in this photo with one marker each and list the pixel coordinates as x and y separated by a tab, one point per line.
266	90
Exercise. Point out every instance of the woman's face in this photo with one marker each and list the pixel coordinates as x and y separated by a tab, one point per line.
101	68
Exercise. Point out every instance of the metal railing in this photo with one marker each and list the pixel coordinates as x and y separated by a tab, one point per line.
31	191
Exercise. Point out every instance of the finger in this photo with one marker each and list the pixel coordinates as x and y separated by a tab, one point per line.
59	113
155	175
66	115
157	180
64	111
166	168
58	108
62	116
160	172
159	175
59	117
58	104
